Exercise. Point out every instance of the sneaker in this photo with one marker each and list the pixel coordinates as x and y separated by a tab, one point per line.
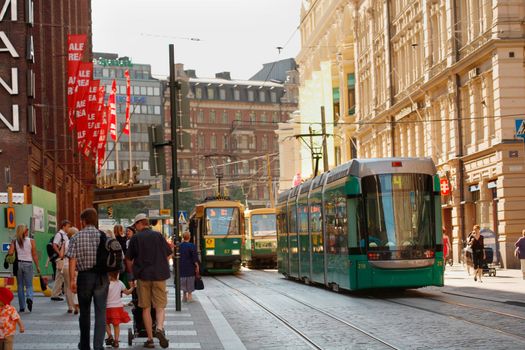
475	278
160	334
149	344
22	310
115	344
29	304
57	298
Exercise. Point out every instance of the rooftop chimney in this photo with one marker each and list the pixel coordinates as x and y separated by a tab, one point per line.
223	75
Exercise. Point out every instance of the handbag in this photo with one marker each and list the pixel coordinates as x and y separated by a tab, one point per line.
199	284
43	283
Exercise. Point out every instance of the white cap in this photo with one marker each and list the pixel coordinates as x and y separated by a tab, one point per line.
140	217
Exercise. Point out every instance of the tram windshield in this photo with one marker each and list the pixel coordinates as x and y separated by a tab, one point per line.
398	209
263	225
222	221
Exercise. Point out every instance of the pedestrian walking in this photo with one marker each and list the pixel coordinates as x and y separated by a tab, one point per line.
130	232
115	313
90	284
147	262
520	252
189	266
120	236
59	241
72	306
478	252
9	318
446	246
25	249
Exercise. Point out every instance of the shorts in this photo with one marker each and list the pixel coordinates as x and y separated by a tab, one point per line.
152	292
187	284
7	343
116	316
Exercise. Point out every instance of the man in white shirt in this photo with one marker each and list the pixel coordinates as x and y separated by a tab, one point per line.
60	239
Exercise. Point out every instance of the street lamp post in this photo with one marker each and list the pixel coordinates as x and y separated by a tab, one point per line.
174	145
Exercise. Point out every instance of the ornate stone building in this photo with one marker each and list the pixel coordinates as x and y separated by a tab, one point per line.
327	79
445	79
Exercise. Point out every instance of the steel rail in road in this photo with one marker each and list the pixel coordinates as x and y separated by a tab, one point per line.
305	338
492	328
332	316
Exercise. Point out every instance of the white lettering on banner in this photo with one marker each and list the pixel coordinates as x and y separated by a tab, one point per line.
14	126
13	90
8	46
13	10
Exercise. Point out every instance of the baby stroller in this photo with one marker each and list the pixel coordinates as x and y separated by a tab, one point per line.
488	266
138	330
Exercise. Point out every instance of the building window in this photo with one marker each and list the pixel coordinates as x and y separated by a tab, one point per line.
225	117
202	169
264	142
250	96
275	117
143	90
262	96
156	91
211	93
225	142
136	90
213	141
200	117
200	141
238	116
111	164
150	90
263	118
236	95
253	119
222	94
198	93
157	110
212	117
273	97
145	165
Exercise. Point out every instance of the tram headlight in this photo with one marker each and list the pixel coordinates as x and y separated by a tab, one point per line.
210	252
236	252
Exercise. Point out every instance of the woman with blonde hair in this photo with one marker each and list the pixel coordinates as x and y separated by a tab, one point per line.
25	249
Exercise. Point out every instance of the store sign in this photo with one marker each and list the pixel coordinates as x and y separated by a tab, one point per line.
9	85
445	187
121	62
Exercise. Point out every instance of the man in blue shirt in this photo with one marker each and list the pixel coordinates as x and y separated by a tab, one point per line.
147	257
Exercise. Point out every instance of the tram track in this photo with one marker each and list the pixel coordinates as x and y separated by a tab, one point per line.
460	318
293	328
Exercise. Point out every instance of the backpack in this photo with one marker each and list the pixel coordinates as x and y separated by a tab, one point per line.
53	256
109	255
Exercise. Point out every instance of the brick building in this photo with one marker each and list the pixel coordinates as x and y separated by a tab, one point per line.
35	142
228	129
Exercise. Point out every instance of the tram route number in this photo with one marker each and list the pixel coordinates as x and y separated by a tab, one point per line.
210	243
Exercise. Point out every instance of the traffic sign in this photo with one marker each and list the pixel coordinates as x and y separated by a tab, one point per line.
5	247
165	212
183	217
520	128
445	186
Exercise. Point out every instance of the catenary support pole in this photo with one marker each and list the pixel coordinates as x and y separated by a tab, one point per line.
174	143
325	148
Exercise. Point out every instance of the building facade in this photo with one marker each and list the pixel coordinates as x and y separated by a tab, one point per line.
327	80
145	110
445	79
35	142
227	131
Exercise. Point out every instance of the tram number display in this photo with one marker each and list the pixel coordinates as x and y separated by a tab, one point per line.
210	243
263	244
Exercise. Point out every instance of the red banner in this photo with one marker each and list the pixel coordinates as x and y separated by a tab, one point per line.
102	137
75	49
128	101
82	92
93	142
92	109
112	103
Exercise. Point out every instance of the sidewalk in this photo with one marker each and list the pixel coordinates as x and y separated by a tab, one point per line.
197	326
507	285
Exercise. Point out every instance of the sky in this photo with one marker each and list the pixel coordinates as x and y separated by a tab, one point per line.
235	35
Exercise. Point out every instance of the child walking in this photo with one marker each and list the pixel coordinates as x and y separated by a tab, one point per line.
115	313
9	318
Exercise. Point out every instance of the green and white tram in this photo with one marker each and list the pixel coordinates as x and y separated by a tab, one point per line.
373	223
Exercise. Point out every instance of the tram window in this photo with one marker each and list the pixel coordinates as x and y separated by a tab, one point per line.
336	224
222	221
263	225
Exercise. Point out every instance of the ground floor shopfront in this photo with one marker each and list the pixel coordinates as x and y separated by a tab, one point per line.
488	189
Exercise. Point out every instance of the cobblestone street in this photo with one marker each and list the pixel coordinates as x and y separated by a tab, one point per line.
262	310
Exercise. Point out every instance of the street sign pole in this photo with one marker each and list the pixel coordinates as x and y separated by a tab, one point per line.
174	144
